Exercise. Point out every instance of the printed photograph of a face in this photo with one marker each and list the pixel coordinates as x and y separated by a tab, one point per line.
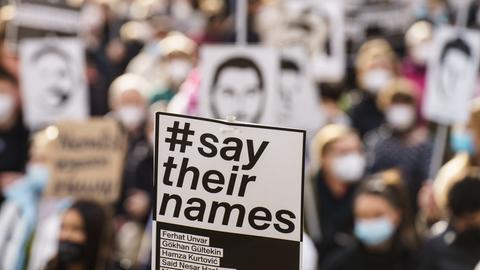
53	81
238	82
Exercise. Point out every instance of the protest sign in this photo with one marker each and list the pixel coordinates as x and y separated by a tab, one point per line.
299	105
53	81
239	81
39	18
316	26
452	75
86	160
227	196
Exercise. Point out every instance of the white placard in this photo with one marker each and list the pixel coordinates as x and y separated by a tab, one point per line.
226	191
240	82
452	75
53	81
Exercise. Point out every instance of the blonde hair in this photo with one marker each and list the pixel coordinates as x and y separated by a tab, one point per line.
128	82
395	87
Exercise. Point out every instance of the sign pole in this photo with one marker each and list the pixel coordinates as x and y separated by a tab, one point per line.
241	21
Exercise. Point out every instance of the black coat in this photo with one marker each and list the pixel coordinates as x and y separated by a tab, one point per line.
440	253
357	257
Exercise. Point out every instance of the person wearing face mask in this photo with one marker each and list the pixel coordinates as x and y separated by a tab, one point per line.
458	247
128	102
383	228
338	163
178	61
401	142
376	65
83	239
18	214
13	134
419	45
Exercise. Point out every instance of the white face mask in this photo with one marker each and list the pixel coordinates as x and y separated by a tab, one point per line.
400	117
350	167
131	116
421	53
7	105
375	79
179	69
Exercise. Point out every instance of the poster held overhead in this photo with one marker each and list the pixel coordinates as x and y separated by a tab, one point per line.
53	81
240	82
452	75
224	198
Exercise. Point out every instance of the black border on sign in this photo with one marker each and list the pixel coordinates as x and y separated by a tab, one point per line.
240	124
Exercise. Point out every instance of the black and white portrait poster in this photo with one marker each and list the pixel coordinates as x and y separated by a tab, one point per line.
226	198
41	18
317	26
452	75
53	81
239	82
299	101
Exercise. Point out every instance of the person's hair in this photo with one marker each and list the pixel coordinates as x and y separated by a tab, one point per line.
97	230
389	186
238	62
455	44
49	49
463	197
290	65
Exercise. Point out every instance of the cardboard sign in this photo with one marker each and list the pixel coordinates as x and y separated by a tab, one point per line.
240	82
226	195
41	18
452	75
299	100
86	160
53	81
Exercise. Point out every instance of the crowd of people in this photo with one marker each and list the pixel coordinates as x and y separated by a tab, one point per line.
373	199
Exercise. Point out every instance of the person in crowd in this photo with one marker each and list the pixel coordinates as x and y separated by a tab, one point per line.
418	40
402	142
383	228
128	98
458	247
179	57
376	65
84	239
18	214
331	187
332	104
13	134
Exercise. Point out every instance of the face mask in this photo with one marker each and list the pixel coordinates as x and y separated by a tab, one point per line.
179	69
420	54
70	253
373	232
131	116
462	142
7	105
376	79
349	168
400	117
38	175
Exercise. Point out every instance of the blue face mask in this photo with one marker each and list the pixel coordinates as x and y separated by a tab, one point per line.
38	175
373	232
462	142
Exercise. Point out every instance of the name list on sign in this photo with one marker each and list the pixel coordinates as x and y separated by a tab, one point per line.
188	252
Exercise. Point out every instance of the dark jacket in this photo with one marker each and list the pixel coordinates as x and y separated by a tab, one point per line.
366	115
357	257
443	253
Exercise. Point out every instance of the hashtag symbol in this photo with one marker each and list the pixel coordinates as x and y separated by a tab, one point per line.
184	132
